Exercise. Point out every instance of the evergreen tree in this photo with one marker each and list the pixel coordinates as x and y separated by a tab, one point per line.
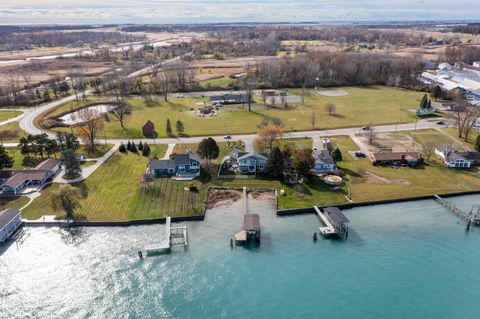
129	146
146	150
424	101
275	162
140	146
437	92
71	163
429	104
180	128
6	161
133	148
337	155
477	144
208	149
122	148
169	128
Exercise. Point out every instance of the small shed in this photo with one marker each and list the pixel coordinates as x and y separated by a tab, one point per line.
251	225
10	220
148	129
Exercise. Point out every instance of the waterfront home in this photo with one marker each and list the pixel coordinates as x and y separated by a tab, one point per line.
185	166
324	163
228	99
35	178
455	159
10	220
338	220
248	162
411	159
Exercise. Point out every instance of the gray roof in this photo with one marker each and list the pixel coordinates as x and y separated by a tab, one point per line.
48	164
7	215
239	98
161	164
323	156
184	159
25	175
468	156
243	155
336	215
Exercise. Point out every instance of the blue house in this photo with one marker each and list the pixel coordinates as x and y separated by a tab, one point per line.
10	220
180	166
324	163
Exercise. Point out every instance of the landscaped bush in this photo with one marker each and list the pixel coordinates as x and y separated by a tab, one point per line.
133	148
192	186
122	148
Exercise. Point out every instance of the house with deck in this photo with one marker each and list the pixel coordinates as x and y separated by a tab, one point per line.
182	166
454	159
35	178
412	159
248	162
10	221
324	163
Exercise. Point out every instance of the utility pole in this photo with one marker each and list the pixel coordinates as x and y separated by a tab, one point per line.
414	131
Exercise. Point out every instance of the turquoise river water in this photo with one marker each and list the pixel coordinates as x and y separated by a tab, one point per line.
408	260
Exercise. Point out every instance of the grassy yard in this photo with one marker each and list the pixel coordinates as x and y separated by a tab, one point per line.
293	143
363	105
223	82
11	132
6	115
470	142
13	202
368	182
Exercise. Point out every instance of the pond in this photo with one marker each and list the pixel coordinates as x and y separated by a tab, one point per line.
75	117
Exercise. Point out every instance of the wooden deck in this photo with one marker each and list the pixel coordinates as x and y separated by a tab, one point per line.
174	236
474	219
328	229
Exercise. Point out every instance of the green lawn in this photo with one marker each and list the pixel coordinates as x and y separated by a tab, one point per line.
223	82
370	105
6	115
13	202
368	182
11	132
452	131
293	143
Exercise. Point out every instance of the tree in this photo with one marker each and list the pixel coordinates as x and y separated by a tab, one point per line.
146	150
248	85
129	146
437	92
275	162
51	148
330	108
140	146
164	80
148	179
169	128
208	149
66	199
180	128
133	148
428	148
477	143
71	164
337	155
303	161
122	148
121	112
91	126
371	134
6	161
268	135
424	101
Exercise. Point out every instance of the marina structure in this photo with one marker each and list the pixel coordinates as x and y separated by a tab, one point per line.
174	236
251	224
335	222
469	217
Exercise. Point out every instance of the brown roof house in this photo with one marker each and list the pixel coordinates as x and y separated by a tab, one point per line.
149	129
31	177
411	159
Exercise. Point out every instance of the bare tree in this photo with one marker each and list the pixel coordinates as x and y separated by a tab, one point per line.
121	112
91	126
164	80
268	135
428	148
465	117
313	119
371	134
248	85
330	108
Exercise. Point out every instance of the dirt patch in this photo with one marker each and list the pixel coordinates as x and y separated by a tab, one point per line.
219	197
377	178
8	135
333	93
265	195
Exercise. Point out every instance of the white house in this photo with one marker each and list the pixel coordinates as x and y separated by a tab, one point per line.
324	163
10	220
455	159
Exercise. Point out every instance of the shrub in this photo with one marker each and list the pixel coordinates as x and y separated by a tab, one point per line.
122	148
192	186
133	148
129	146
140	146
146	150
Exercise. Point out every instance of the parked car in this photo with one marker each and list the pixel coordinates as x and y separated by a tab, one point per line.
366	128
440	123
227	137
360	154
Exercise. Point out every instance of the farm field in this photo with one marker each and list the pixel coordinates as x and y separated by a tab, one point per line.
362	106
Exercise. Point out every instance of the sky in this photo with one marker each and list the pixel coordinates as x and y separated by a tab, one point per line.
209	11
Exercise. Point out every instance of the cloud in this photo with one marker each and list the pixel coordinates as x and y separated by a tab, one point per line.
196	11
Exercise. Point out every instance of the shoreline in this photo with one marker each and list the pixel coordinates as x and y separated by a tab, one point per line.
280	213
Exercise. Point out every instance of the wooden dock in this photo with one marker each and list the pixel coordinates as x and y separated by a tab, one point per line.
469	217
174	236
251	224
328	229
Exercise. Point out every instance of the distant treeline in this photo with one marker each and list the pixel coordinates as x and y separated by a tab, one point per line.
473	28
23	41
41	28
337	69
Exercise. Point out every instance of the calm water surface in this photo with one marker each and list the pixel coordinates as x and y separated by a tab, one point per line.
409	260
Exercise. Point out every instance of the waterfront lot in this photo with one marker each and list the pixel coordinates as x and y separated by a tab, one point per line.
362	106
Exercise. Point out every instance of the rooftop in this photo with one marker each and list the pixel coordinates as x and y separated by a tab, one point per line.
47	164
25	175
251	222
336	215
7	215
323	156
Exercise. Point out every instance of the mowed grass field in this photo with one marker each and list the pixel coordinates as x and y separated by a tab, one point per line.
6	115
363	106
370	183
